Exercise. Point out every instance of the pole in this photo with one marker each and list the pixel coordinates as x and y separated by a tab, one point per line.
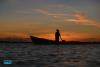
60	38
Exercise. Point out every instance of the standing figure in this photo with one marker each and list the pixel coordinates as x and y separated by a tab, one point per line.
57	36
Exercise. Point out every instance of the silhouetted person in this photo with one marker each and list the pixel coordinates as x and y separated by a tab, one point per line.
57	36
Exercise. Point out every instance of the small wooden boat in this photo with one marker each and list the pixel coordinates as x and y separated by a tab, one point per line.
37	40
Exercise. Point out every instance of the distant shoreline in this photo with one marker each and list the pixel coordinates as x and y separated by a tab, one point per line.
13	42
68	42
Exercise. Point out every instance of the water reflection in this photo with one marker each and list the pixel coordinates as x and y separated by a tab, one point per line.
53	55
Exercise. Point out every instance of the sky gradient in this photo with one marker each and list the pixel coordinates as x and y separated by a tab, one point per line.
76	19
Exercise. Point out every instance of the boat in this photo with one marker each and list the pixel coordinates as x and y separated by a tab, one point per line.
37	40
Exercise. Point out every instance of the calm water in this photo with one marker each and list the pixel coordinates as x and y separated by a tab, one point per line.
30	55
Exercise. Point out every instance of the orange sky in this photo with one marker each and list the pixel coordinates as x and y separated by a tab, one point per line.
76	19
68	36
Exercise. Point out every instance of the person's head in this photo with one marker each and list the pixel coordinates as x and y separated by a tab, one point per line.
57	30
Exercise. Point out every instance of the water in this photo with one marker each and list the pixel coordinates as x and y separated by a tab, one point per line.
30	55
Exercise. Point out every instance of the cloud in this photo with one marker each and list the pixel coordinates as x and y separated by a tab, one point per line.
83	20
46	12
58	10
41	11
75	16
24	12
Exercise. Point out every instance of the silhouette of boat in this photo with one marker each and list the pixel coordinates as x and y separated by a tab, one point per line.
44	41
37	40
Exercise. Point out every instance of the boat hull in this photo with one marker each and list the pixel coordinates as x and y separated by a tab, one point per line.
37	40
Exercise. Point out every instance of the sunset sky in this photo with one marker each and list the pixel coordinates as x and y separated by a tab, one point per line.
76	19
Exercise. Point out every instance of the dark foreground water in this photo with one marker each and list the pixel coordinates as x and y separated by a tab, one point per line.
30	55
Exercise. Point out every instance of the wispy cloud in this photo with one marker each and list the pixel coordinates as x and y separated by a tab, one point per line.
41	11
75	16
46	12
83	20
24	12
